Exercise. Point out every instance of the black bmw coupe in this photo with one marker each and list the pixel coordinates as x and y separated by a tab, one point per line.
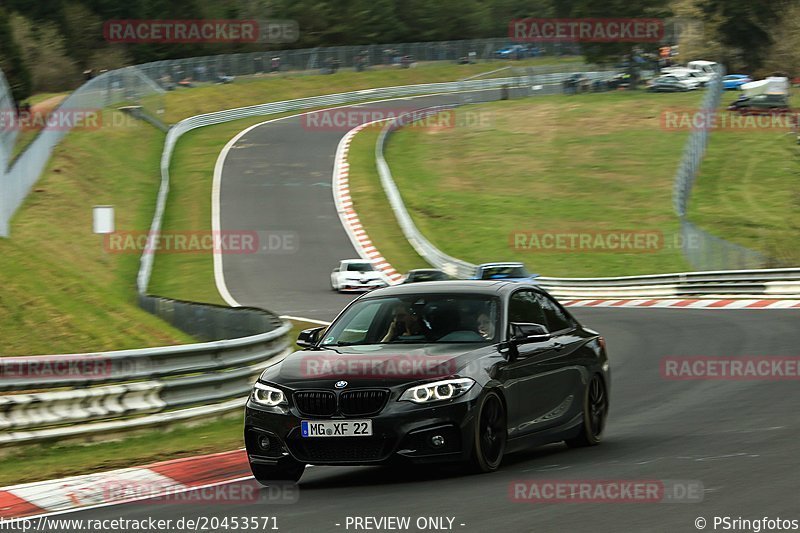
463	371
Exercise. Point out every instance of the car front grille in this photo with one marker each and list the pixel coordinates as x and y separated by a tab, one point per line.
315	403
338	450
362	402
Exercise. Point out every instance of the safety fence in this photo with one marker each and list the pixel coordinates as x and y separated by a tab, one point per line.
111	88
703	250
328	59
8	135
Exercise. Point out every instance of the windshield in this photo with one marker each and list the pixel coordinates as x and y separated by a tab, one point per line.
359	267
427	276
504	272
417	319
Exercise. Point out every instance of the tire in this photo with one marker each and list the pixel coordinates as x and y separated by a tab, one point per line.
289	471
595	412
490	435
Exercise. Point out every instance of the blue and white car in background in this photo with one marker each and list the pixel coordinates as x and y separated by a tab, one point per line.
734	82
514	51
508	271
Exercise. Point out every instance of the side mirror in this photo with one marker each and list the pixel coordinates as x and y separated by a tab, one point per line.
309	337
336	269
528	332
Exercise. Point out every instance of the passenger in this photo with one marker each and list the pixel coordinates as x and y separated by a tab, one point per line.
404	324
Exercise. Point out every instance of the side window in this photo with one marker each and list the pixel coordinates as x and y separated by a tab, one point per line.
557	319
523	307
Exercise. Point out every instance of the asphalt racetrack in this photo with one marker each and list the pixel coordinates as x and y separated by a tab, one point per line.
739	439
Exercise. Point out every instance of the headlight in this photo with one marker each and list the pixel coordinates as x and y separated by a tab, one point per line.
437	391
269	396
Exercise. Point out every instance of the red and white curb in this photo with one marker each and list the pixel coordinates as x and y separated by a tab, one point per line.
344	206
688	304
117	486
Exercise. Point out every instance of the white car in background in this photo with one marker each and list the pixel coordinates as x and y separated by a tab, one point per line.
669	83
356	275
694	83
701	77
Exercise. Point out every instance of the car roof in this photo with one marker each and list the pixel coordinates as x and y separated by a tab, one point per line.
486	287
348	261
416	270
503	264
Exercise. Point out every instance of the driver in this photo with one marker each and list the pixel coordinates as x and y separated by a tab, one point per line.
485	326
403	324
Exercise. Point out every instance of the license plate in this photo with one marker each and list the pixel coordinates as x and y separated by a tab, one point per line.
336	428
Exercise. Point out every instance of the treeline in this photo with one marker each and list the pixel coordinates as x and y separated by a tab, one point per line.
45	45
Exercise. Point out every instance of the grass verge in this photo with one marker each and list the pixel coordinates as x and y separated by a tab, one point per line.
53	461
62	291
549	164
374	212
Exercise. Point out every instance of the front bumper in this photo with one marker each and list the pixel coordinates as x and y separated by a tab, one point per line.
357	286
401	432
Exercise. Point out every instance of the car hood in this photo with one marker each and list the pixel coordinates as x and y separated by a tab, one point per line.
379	365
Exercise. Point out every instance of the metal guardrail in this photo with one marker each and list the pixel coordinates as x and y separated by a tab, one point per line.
773	282
57	396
